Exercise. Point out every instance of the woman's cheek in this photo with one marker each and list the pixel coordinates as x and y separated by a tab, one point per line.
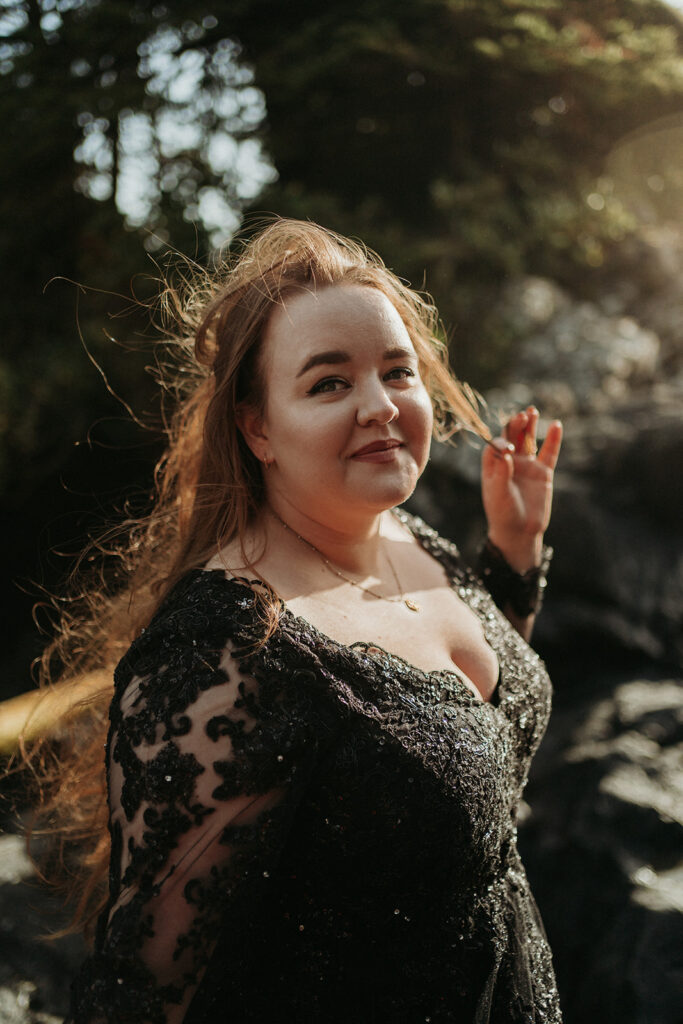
424	412
418	422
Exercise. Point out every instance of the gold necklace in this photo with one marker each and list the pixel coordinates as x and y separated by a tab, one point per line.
412	605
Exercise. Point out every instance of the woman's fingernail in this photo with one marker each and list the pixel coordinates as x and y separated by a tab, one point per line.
502	445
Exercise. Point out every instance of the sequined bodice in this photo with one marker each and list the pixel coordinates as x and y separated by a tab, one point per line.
308	832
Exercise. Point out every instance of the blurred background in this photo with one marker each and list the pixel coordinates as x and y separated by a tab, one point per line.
523	161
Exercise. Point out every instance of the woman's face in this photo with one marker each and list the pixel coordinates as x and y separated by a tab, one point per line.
347	421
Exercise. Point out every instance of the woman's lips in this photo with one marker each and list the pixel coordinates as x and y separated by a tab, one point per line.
378	451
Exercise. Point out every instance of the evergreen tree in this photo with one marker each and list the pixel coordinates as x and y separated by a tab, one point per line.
465	140
126	126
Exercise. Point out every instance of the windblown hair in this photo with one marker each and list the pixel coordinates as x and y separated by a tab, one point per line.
208	491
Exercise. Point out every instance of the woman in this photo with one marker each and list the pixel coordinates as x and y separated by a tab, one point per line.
319	739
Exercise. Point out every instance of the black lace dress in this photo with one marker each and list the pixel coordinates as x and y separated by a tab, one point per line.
311	833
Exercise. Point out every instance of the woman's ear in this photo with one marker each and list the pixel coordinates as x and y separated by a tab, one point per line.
252	428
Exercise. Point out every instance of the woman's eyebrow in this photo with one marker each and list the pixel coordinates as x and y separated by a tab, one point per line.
400	353
321	358
337	356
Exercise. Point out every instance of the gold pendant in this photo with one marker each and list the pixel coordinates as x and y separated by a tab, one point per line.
414	607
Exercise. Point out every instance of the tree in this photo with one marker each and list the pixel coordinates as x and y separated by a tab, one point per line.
126	126
117	115
465	140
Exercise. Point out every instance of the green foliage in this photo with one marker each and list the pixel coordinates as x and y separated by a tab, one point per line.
123	124
466	141
119	120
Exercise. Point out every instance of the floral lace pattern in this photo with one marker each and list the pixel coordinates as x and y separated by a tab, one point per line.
307	832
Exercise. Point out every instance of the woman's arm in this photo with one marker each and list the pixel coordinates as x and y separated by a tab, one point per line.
517	491
205	766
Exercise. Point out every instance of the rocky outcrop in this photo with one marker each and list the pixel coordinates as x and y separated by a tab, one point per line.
619	566
577	356
617	577
34	970
603	847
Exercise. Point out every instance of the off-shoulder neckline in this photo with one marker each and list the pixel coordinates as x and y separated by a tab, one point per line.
362	648
359	648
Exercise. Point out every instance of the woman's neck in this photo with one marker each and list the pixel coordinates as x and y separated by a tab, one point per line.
351	543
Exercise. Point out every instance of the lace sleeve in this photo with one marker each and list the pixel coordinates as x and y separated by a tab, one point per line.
204	767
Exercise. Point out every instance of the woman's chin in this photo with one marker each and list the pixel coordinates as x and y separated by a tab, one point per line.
355	497
386	494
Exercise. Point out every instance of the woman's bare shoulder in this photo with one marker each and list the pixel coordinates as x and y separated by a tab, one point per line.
236	557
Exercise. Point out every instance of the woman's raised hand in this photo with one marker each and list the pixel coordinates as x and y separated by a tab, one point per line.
517	487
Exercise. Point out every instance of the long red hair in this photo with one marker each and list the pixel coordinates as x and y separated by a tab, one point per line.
208	490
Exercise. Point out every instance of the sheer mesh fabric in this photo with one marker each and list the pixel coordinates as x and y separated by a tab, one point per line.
191	785
200	767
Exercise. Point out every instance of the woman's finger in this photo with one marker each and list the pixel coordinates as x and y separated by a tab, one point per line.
527	442
521	430
551	446
497	458
514	426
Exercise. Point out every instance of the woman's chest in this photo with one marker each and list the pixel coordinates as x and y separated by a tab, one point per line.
443	634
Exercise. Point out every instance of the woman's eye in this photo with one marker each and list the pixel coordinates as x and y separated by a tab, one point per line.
327	386
400	373
331	385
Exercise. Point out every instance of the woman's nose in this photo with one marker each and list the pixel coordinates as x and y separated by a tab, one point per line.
375	405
